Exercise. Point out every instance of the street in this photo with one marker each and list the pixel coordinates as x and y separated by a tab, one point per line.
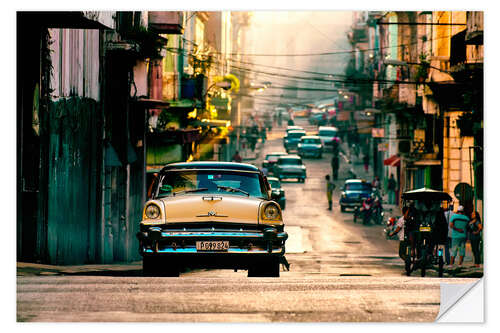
339	271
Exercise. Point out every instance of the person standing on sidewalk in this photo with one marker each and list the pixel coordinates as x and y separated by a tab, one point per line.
458	225
236	157
391	190
366	161
447	215
335	165
330	186
474	229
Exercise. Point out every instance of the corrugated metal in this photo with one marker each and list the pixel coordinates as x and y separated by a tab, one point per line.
71	220
75	59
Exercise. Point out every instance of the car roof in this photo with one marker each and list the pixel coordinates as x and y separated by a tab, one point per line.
350	181
211	165
329	128
310	137
273	179
297	131
277	153
290	156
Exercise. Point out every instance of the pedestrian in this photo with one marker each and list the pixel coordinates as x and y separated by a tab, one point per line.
236	157
335	165
474	234
330	186
263	135
391	190
399	230
366	161
265	171
376	183
447	246
458	224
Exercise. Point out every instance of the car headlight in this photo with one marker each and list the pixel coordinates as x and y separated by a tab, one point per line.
271	213
152	212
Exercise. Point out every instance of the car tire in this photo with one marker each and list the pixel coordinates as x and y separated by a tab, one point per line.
268	267
149	266
155	266
342	209
320	155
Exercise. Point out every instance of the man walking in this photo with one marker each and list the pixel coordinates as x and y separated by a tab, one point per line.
458	224
335	165
330	186
391	190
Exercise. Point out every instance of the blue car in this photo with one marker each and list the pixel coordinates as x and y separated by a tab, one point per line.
353	193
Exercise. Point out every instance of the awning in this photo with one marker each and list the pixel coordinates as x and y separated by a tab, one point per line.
394	161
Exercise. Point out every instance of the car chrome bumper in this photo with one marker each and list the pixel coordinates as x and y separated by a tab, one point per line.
175	242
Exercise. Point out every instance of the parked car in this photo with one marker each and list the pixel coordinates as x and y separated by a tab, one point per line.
328	134
292	140
290	166
310	145
271	159
212	215
277	192
353	193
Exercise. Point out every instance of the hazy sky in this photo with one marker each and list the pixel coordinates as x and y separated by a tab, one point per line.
299	32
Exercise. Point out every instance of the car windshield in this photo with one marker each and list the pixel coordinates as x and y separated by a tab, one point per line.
289	161
177	182
358	187
296	135
328	133
274	183
311	141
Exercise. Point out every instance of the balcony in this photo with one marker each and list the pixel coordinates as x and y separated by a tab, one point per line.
166	22
475	27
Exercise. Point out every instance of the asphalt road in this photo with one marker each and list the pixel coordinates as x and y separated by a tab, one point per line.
340	271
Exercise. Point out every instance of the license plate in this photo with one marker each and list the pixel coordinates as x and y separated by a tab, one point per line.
212	246
425	229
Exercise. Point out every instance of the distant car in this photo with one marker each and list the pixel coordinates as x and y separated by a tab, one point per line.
353	193
277	192
292	140
318	117
310	145
211	215
271	159
294	128
327	135
290	166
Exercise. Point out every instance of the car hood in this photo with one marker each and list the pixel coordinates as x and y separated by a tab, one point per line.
212	208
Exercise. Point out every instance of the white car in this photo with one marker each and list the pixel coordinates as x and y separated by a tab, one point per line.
327	135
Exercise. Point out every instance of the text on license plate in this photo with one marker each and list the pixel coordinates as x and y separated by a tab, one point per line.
212	245
425	228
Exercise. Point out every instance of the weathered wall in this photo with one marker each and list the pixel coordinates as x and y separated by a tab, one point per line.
73	146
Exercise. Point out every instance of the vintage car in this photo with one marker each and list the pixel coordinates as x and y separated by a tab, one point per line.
310	145
292	139
353	193
327	135
211	215
271	159
290	166
277	192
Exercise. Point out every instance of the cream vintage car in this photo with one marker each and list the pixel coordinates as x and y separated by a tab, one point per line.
211	215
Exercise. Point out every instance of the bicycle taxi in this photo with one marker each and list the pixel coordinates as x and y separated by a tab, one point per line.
425	231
